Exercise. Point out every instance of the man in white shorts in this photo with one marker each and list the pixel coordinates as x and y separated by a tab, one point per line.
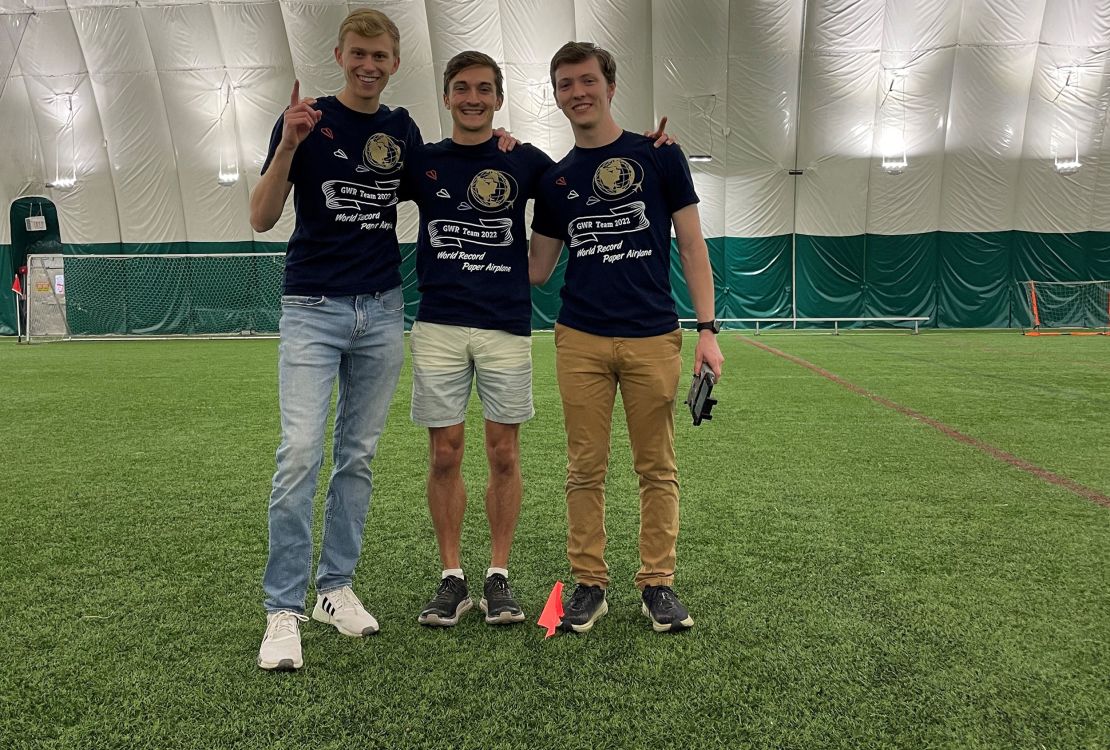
473	325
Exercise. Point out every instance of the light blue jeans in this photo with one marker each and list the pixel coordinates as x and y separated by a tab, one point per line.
360	340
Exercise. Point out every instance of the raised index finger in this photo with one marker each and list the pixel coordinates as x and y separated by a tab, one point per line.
662	125
295	97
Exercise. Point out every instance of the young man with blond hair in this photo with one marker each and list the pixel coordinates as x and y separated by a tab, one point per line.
342	319
612	201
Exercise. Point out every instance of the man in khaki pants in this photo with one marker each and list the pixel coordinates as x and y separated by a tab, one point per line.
612	201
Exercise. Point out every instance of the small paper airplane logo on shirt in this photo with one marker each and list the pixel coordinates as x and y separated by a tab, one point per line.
464	206
360	168
442	193
432	173
592	200
572	195
327	132
562	181
339	152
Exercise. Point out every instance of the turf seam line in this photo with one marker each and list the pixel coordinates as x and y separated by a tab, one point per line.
1041	473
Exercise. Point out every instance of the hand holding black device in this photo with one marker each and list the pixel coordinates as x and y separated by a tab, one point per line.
698	398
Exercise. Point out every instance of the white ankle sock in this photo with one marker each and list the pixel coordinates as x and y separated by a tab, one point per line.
502	571
457	572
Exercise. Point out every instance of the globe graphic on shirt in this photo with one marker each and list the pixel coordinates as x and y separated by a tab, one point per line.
490	189
382	153
615	177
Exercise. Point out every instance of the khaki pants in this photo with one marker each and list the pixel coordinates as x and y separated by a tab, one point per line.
590	369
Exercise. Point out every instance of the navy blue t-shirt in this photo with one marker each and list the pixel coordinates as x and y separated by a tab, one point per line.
472	253
346	175
612	206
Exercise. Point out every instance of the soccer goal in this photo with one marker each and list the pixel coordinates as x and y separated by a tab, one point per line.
1067	307
154	296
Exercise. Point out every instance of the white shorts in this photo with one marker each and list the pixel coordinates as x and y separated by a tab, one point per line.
445	359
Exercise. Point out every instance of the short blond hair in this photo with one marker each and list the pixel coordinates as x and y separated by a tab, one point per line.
370	23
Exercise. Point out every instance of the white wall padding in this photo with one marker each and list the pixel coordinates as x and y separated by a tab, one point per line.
985	99
990	95
311	30
763	57
1067	113
1099	157
690	75
914	92
1003	22
837	114
21	155
202	122
54	73
128	96
532	31
13	24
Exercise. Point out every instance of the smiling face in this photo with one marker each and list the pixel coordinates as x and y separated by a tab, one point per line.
367	64
583	94
472	99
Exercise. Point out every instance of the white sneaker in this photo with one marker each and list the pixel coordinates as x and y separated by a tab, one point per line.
341	608
281	646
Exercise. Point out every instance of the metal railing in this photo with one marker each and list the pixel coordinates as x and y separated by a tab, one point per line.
917	321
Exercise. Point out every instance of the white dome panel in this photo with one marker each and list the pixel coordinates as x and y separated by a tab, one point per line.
989	101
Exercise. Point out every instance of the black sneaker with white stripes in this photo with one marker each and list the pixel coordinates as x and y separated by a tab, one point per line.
662	606
451	600
498	602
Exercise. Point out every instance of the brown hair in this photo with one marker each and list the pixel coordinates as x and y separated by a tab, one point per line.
576	52
370	23
469	59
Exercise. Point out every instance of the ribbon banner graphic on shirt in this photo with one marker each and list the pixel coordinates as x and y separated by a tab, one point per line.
621	220
341	194
449	233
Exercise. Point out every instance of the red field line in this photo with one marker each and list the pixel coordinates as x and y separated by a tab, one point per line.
1009	458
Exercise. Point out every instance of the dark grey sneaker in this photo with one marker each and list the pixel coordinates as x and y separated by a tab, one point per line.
586	605
450	601
666	612
498	602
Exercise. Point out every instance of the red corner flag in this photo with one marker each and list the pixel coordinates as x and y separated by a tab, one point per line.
552	613
17	287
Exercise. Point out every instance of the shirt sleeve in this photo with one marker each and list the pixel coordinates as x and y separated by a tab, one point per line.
544	219
541	162
413	138
677	180
408	189
414	153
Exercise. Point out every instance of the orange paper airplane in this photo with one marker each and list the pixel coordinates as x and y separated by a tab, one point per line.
552	614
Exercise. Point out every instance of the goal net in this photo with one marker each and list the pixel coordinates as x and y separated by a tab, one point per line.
106	296
1060	305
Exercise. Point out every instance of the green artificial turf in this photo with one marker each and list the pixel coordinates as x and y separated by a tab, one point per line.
859	579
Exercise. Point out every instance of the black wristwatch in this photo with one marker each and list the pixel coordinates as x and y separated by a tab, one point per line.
713	325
